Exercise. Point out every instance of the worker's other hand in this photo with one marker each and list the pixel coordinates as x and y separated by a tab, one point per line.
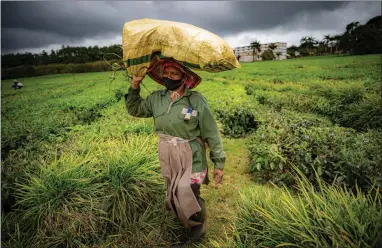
136	81
218	176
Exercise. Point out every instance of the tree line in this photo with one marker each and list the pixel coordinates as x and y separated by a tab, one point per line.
357	39
65	55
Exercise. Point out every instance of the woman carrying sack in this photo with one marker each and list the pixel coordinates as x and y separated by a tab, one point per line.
184	123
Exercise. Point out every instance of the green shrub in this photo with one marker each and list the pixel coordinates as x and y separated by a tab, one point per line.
18	72
231	107
344	104
41	70
329	216
338	154
87	115
237	122
268	55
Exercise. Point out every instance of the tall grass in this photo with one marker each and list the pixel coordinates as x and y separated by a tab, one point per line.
109	193
327	216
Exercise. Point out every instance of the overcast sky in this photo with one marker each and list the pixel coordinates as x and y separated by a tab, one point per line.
34	26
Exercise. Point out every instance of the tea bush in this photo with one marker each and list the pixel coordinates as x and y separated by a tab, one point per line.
338	154
232	108
344	104
237	122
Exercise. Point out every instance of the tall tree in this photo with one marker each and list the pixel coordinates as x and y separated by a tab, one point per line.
308	43
272	47
366	39
351	27
336	41
292	50
256	48
278	55
327	41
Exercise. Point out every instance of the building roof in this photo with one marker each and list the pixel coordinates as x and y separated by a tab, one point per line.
264	44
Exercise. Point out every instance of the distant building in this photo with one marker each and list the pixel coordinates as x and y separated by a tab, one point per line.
245	53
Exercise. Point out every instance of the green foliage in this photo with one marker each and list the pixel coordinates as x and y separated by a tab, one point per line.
346	104
364	115
98	194
18	72
231	106
72	132
41	70
329	216
338	154
268	55
237	122
139	129
119	95
65	55
87	115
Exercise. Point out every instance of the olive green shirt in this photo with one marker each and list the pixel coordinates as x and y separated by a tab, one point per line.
169	118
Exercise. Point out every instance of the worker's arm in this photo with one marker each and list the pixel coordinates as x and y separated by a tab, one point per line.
135	104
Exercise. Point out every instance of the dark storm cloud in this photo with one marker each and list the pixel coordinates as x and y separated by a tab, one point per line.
38	24
245	16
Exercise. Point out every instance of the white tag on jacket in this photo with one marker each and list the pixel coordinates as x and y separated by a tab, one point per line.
194	112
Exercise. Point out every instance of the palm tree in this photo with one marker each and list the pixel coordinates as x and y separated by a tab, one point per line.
304	40
351	27
311	42
272	47
292	50
255	45
308	42
327	41
336	40
278	55
322	48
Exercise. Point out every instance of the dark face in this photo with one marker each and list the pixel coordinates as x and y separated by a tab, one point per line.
173	73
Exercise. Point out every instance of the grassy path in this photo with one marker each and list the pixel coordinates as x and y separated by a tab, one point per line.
221	201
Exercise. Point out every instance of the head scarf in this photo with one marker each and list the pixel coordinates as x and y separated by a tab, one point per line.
191	79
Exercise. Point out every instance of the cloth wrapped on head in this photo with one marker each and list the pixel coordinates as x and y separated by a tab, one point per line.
157	68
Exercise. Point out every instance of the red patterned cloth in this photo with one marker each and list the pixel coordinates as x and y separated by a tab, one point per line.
156	72
198	177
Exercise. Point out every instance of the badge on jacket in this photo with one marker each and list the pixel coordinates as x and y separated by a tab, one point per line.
188	112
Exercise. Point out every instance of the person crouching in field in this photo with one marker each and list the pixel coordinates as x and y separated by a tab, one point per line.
16	85
184	123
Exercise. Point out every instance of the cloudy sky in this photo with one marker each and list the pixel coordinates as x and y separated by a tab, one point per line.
34	26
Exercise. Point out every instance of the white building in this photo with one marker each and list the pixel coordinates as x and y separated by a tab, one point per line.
246	52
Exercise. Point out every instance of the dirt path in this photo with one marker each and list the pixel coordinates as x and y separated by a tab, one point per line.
221	201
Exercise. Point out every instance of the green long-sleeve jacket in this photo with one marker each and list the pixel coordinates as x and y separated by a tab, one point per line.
169	118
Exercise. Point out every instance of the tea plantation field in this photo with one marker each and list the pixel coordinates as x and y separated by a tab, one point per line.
303	140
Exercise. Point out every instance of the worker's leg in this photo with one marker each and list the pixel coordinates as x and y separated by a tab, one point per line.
199	230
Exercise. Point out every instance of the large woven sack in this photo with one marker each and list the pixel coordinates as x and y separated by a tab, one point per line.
191	46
